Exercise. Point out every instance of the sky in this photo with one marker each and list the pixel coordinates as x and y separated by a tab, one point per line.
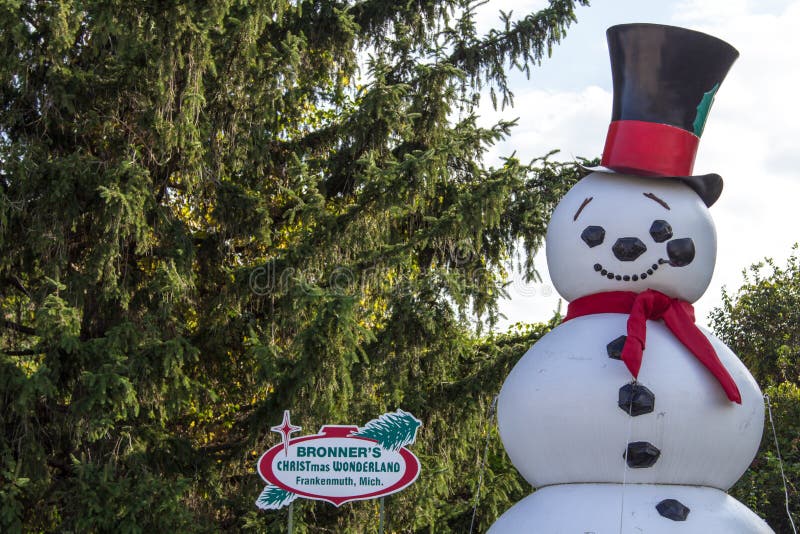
752	137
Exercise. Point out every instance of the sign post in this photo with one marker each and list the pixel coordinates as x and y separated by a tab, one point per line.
380	517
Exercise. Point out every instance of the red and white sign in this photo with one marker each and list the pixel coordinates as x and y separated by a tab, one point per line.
337	466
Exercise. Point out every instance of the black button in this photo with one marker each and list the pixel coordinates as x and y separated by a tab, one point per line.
593	235
635	399
673	509
660	231
680	251
641	454
614	349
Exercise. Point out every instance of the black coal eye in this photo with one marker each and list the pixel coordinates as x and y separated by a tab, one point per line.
661	231
593	235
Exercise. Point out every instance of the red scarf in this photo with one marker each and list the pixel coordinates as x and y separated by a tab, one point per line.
678	316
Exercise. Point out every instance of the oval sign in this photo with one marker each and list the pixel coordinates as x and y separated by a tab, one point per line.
336	467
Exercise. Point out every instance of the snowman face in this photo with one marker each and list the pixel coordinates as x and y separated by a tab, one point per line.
613	232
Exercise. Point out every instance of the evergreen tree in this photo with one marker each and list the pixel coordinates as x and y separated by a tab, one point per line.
761	323
212	212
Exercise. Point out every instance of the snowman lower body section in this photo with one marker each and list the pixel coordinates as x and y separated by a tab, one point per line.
570	411
629	508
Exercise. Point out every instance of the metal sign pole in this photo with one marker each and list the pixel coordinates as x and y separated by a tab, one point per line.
291	514
380	518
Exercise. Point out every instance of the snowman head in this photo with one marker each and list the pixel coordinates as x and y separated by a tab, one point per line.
616	232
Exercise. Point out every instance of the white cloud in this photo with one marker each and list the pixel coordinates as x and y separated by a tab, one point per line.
574	122
487	16
752	135
690	11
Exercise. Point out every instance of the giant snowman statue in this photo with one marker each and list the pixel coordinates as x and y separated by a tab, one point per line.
628	417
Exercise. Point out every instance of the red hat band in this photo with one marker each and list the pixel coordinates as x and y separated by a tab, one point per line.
649	149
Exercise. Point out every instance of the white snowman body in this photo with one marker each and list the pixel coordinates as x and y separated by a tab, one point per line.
615	508
565	412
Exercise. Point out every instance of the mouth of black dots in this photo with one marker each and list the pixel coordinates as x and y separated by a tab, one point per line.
629	277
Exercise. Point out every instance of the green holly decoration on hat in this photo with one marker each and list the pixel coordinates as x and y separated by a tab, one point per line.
702	111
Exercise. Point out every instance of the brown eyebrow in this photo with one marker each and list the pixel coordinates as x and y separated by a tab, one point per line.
583	205
651	196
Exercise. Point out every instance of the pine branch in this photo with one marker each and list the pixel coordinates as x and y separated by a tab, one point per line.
391	430
523	43
11	325
220	447
17	283
274	498
25	352
373	16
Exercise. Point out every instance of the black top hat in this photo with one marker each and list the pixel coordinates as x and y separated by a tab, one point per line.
665	79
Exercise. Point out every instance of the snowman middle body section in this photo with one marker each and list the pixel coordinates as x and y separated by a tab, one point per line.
570	411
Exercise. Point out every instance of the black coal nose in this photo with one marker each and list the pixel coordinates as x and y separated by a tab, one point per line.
628	248
680	251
